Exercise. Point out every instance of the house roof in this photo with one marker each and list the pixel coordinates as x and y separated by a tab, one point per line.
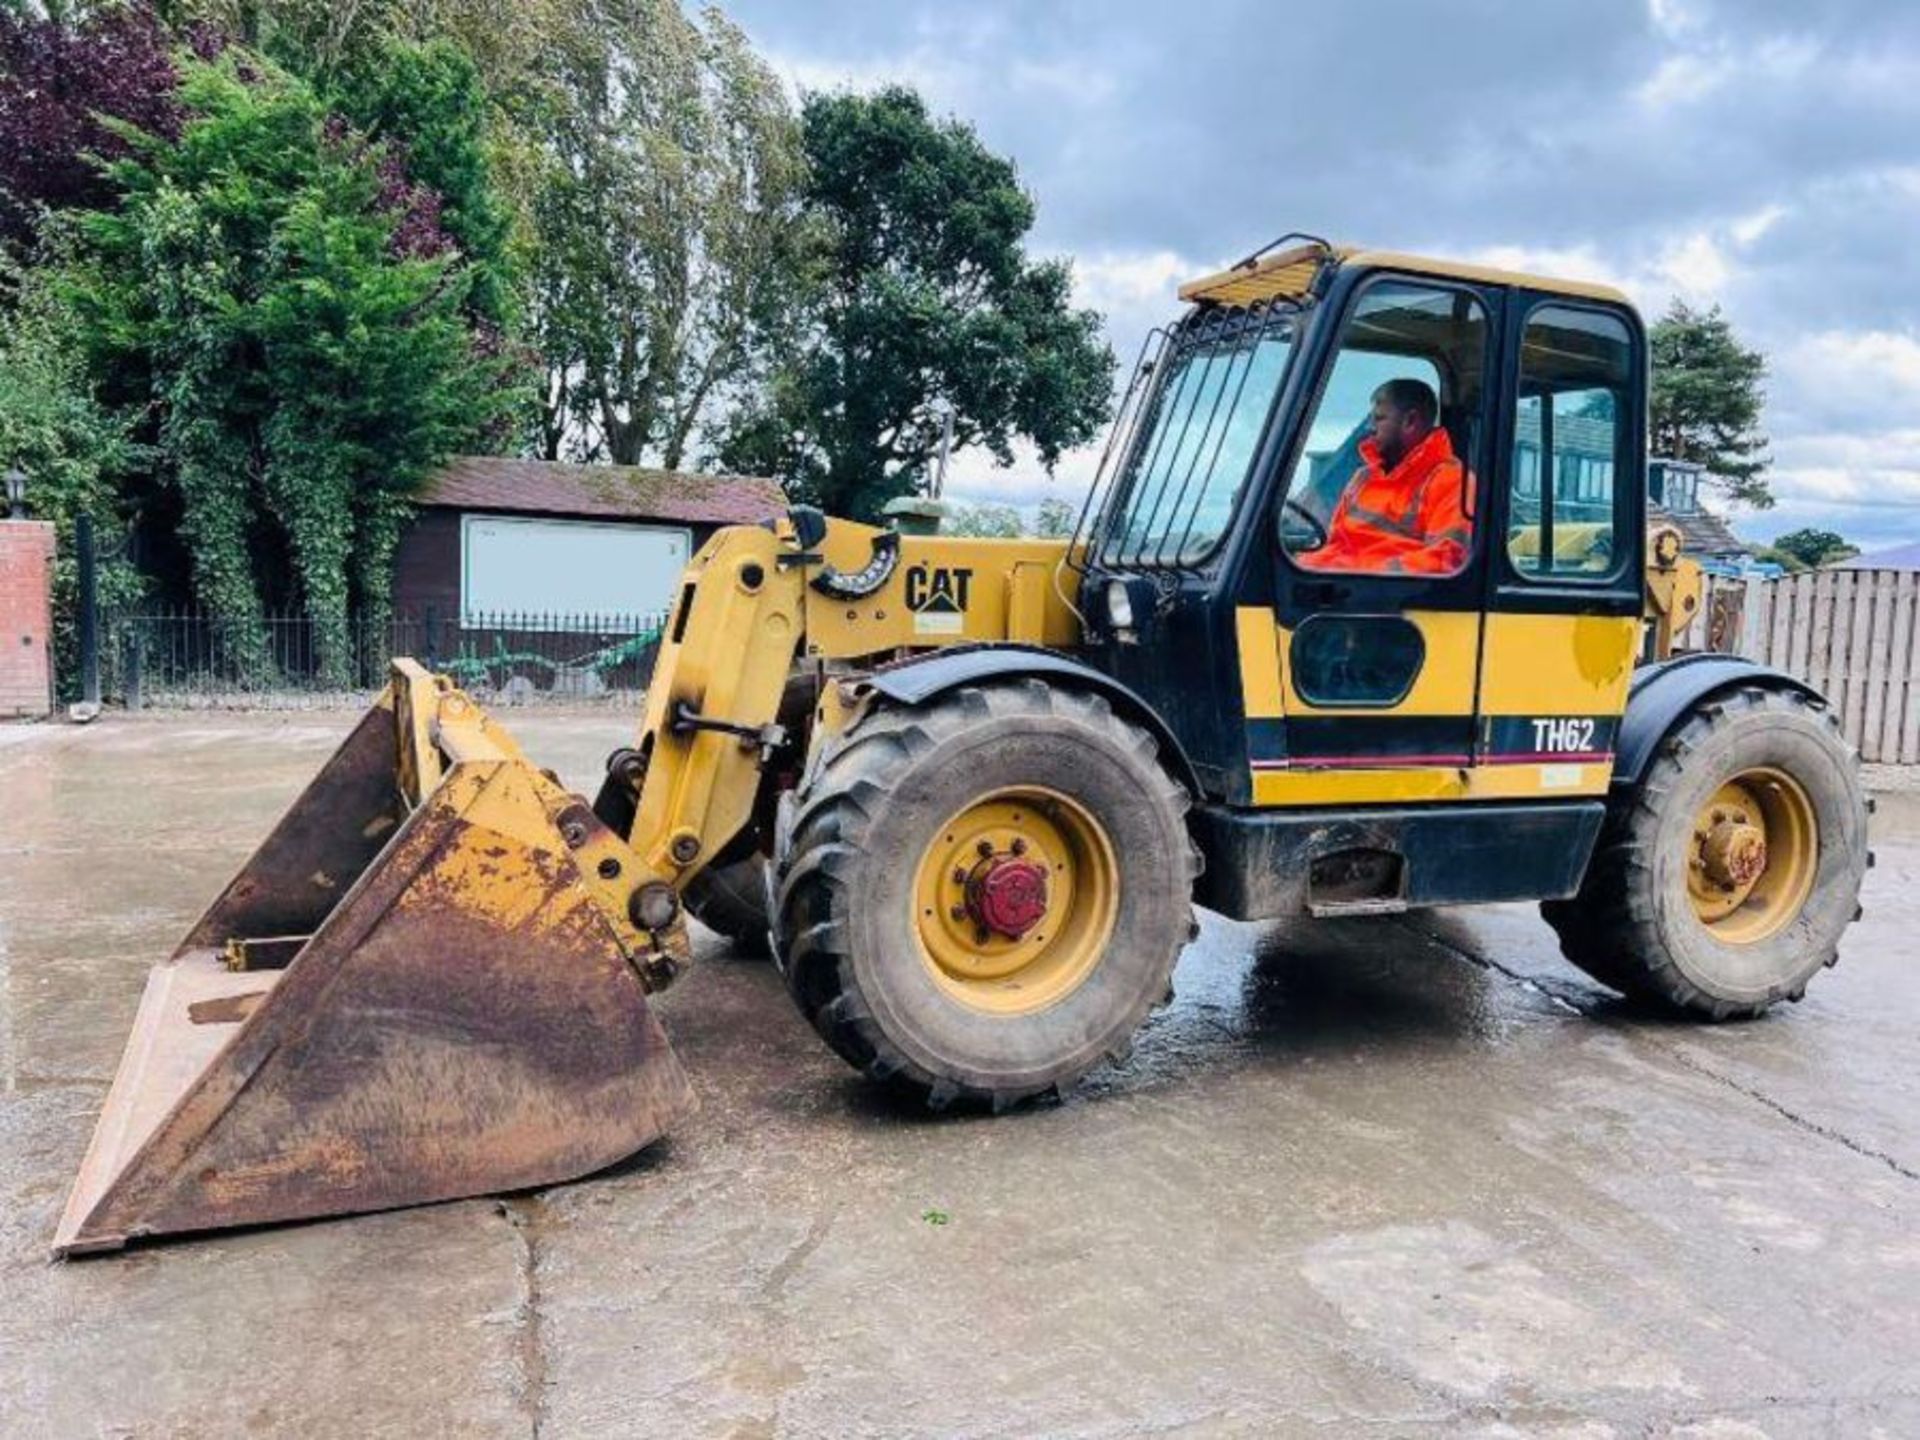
1900	557
625	492
1701	533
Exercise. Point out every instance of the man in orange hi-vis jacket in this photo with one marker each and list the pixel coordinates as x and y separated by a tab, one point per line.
1405	513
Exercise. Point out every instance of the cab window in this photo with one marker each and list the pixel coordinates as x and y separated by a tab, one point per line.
1569	445
1384	483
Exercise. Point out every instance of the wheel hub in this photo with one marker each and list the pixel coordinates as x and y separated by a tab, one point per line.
1754	850
1734	854
1014	900
1007	895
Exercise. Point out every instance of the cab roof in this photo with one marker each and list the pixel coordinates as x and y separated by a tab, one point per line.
1290	274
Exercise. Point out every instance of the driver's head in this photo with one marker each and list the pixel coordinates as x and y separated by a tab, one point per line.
1404	412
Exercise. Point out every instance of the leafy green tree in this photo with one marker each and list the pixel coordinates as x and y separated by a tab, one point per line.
987	522
426	105
926	299
72	448
1054	519
282	303
1811	548
667	228
1707	400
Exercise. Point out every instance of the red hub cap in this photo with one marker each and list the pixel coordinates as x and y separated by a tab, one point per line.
1007	895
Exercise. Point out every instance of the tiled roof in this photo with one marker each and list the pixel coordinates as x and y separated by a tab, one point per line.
1701	533
544	487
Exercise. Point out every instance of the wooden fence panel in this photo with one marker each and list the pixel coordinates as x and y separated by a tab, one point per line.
1879	651
1905	744
1756	634
1787	600
1854	635
1813	645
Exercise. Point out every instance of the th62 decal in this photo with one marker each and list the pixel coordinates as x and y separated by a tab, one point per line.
1566	736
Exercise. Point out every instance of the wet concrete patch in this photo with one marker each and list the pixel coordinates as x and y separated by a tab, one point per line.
401	1323
1412	1176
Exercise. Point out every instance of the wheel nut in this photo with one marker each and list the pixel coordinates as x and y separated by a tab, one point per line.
958	912
1019	846
984	849
981	935
959	876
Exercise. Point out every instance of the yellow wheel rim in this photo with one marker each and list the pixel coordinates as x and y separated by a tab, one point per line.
1751	856
1014	900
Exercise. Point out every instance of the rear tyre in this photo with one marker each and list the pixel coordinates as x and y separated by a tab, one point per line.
982	898
731	900
1722	885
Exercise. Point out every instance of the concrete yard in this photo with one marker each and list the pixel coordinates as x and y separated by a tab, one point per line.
1406	1176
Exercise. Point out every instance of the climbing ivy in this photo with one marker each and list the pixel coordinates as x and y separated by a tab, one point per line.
278	294
73	450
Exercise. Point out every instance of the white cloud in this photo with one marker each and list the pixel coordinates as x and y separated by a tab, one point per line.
1120	280
938	77
1700	72
1699	265
1881	367
1683	79
1695	267
1750	228
974	478
1851	393
1674	18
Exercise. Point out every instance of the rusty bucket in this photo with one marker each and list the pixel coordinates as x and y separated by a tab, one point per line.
422	986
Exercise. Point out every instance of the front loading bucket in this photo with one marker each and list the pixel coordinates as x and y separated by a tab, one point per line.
416	990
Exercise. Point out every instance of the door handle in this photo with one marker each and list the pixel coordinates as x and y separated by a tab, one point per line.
1322	594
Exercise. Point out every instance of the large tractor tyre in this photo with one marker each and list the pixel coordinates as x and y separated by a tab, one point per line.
731	900
1723	883
981	898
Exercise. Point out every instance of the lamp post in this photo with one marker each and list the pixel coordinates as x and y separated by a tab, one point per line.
16	480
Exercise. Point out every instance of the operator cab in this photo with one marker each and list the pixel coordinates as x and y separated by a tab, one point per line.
1402	501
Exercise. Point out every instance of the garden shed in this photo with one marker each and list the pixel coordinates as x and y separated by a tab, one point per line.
498	537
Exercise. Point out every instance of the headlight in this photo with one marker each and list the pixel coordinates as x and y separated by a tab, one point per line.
1119	606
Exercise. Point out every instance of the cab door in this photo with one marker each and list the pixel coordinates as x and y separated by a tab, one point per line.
1361	679
1565	578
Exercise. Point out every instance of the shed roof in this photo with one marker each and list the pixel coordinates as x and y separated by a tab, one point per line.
624	492
1701	531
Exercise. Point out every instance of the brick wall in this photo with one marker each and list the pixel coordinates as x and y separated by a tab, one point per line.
26	618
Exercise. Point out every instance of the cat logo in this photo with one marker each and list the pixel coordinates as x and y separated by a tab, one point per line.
937	595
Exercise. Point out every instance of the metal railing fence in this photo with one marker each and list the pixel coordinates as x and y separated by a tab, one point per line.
186	658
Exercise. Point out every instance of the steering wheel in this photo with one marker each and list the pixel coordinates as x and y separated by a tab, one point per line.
1320	535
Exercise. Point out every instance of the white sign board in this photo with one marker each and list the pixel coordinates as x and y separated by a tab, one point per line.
518	566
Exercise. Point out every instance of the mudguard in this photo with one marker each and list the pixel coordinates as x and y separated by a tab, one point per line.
916	681
1660	694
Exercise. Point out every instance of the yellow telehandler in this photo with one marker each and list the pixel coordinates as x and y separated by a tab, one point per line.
974	788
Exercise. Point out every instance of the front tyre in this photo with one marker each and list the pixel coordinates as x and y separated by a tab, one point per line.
982	898
1722	885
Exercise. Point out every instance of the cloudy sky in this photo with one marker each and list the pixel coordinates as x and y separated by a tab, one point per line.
1764	155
